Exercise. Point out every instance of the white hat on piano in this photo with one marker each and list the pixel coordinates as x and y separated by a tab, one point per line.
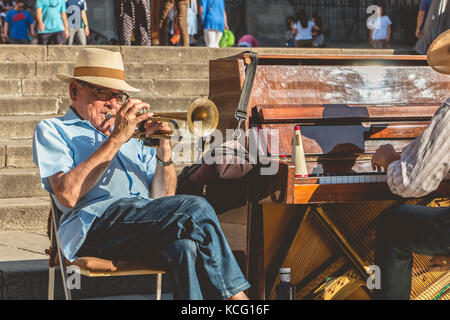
438	55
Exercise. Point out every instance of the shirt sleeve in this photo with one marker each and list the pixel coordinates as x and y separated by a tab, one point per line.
51	153
388	20
425	161
39	4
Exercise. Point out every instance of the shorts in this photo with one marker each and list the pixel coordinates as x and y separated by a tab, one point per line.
52	38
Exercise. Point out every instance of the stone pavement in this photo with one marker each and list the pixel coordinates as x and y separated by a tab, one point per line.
23	245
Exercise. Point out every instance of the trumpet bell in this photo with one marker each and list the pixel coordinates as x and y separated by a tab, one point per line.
202	117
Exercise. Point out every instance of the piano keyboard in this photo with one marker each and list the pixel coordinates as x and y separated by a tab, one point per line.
353	179
343	179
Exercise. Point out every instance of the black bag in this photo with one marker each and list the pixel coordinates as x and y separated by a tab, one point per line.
225	183
221	178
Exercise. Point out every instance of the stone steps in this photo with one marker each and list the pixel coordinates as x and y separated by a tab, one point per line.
133	70
20	182
54	87
29	213
16	154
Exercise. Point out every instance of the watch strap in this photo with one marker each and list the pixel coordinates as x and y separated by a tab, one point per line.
163	163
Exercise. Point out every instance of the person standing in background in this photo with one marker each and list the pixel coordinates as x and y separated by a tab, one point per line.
18	25
303	30
318	36
51	16
192	21
181	7
77	21
437	22
214	20
422	15
380	30
289	34
134	16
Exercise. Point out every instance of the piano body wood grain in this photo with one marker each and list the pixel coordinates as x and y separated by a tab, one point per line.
347	106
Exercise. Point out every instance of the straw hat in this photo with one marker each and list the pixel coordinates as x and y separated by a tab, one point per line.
100	67
438	55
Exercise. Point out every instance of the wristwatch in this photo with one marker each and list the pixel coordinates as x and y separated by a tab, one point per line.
163	163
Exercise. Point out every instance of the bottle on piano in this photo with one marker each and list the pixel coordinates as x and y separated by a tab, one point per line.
285	289
298	154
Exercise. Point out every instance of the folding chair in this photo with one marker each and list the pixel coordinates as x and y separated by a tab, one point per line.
84	264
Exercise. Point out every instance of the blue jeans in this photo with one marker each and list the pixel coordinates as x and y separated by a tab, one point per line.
182	229
402	231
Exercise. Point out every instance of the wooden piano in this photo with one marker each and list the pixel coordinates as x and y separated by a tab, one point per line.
347	106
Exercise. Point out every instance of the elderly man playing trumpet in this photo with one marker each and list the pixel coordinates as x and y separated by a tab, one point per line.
117	195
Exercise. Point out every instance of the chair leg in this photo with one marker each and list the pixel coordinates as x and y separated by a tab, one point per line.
51	283
158	286
62	265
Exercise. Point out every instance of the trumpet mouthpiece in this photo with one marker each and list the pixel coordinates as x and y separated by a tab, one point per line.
109	116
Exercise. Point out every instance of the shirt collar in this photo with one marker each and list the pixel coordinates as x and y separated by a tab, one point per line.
72	118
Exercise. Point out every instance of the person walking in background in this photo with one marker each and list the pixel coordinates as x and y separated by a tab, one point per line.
422	15
18	25
437	22
192	21
318	36
51	16
134	19
77	21
289	34
214	20
181	7
380	30
303	30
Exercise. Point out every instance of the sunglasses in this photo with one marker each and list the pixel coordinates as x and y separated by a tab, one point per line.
106	95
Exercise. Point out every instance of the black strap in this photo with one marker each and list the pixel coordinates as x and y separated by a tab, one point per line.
209	8
241	111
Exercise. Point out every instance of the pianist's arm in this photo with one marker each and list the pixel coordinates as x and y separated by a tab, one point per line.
425	161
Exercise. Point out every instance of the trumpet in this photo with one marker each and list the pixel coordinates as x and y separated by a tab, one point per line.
202	118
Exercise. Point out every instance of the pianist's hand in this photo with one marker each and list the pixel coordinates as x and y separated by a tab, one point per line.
383	157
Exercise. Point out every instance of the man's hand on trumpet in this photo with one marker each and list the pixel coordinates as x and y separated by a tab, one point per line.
151	127
127	119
